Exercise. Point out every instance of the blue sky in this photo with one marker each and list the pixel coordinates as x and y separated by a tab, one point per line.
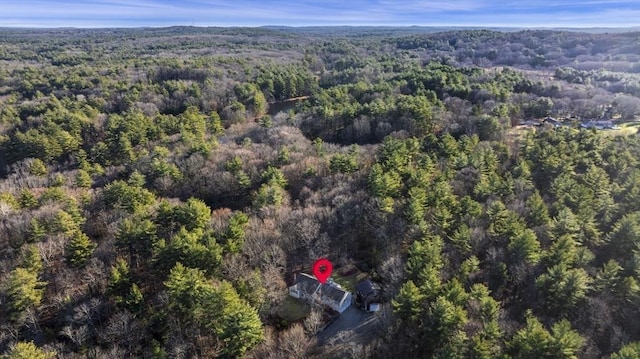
136	13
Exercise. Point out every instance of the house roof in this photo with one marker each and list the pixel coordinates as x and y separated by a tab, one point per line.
306	283
331	294
328	293
599	124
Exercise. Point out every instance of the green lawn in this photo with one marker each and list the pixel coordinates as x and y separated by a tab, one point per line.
293	309
350	279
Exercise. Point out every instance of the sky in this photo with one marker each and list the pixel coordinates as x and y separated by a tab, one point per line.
157	13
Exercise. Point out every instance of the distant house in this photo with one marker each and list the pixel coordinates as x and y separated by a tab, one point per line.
587	124
531	123
552	121
330	293
368	296
598	124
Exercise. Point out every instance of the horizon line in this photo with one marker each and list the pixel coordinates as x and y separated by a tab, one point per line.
37	27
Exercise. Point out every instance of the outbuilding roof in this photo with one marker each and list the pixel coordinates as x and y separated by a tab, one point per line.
366	287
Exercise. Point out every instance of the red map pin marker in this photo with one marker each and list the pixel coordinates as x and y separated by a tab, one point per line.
322	269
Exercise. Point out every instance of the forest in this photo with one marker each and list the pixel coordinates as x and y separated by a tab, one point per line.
160	188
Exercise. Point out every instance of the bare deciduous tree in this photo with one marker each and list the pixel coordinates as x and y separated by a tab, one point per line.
77	335
392	273
313	323
293	342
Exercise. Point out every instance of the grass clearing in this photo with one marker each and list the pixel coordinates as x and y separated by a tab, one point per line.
626	129
518	133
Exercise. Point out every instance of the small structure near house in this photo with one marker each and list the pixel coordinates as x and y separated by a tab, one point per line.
368	296
330	293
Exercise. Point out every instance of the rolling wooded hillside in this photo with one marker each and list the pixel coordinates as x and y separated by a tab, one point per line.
160	188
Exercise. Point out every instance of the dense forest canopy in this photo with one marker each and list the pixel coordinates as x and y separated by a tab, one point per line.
159	189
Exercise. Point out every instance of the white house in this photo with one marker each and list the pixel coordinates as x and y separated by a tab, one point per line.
330	293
